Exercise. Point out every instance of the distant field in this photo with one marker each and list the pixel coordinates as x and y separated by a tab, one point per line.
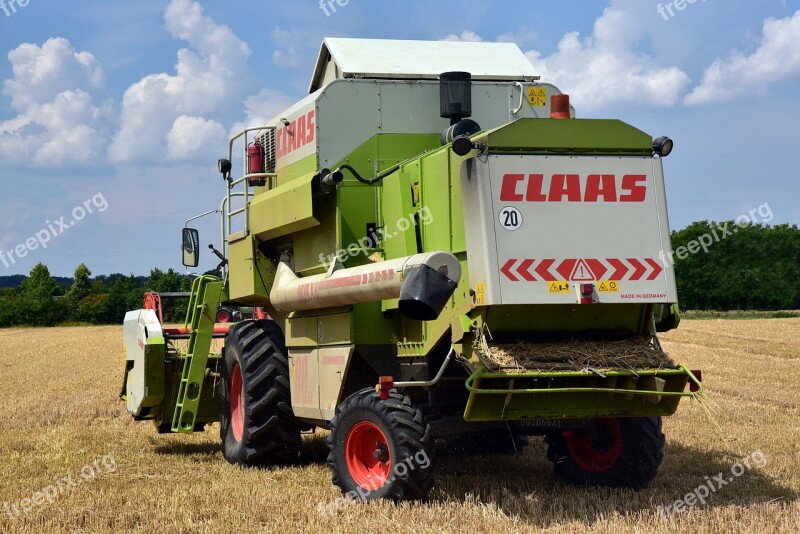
740	314
59	387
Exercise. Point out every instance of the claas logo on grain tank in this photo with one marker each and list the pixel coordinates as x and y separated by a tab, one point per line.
298	133
573	188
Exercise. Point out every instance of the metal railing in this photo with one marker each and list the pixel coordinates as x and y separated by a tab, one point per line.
267	132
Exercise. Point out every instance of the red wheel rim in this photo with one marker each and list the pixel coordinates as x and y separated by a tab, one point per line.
596	449
223	316
237	403
367	454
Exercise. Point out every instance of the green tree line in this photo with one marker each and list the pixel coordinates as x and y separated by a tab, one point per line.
41	301
742	267
718	266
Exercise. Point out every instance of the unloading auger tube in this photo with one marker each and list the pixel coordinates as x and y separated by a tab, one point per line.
422	282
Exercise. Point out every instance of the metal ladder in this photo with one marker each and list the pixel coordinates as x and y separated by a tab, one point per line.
200	319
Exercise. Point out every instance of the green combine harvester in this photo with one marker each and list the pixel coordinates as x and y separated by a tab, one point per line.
450	261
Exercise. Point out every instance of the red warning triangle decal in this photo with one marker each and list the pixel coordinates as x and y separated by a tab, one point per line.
582	273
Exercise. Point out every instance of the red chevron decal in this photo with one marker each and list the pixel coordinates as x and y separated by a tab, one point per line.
506	270
524	272
639	269
543	270
657	268
597	268
566	268
620	269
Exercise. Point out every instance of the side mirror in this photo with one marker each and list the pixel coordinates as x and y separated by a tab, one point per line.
191	247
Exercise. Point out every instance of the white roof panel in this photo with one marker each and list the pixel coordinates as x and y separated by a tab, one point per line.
404	60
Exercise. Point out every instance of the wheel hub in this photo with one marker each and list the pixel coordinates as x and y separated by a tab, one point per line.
596	449
237	403
367	454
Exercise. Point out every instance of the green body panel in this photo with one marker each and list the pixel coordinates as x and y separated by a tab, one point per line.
304	167
208	405
154	371
207	292
287	209
628	318
575	394
575	136
334	327
253	278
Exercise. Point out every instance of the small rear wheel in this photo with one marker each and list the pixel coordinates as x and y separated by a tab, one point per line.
381	449
625	452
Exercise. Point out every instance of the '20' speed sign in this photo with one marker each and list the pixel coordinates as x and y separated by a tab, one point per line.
510	218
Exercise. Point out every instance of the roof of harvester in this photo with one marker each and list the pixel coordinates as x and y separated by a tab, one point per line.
418	60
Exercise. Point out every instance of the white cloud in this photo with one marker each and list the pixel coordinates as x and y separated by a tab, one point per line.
607	69
58	122
211	79
777	58
466	36
519	37
286	54
262	107
40	73
194	136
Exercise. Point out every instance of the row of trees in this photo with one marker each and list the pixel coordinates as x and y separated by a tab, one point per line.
757	267
745	267
40	301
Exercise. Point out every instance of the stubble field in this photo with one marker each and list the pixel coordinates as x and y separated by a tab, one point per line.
61	424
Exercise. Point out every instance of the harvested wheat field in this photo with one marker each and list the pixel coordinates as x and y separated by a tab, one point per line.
61	418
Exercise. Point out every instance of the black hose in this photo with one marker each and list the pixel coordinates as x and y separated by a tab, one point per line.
370	181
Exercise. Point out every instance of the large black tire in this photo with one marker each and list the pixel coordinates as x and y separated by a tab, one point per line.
623	453
501	441
263	429
381	449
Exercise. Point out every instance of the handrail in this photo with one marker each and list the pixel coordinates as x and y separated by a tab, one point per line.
429	383
244	179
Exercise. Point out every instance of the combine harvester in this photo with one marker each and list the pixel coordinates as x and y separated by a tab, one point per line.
447	257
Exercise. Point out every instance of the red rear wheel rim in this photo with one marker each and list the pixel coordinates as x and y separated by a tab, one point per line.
596	449
237	403
223	316
367	454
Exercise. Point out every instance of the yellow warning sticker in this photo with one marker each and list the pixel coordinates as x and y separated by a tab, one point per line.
480	294
537	96
608	286
558	287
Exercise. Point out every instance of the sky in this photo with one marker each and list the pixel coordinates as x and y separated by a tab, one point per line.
113	113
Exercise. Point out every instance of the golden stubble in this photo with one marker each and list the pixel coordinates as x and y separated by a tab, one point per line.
60	412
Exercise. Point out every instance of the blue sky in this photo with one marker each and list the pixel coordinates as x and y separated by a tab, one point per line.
122	108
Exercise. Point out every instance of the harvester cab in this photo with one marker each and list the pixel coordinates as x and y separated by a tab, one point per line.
450	261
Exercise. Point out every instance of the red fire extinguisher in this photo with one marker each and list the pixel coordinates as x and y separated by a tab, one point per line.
255	159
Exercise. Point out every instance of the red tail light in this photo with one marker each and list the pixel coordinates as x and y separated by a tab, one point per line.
385	385
694	388
587	293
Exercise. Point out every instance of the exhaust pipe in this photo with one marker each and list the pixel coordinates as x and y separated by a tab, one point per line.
423	283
